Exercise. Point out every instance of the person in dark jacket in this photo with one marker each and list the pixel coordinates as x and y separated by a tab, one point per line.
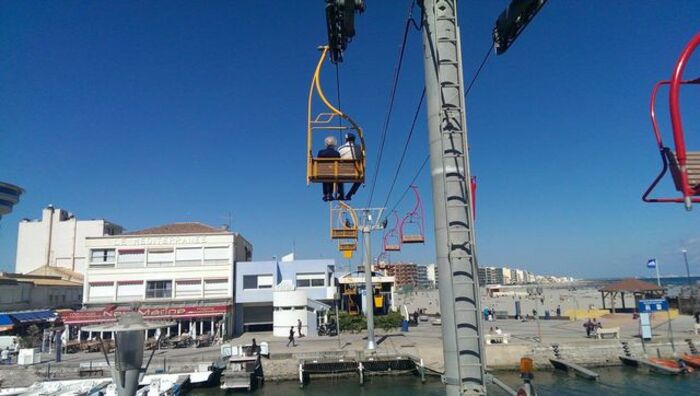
331	152
291	337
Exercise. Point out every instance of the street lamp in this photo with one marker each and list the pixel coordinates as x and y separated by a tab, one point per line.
687	268
130	333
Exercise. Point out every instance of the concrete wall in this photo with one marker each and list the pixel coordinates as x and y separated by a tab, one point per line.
290	306
586	353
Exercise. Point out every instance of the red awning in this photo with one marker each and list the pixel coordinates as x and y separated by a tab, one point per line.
149	313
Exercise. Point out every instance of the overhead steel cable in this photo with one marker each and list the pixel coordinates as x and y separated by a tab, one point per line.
405	147
425	161
392	95
408	188
481	66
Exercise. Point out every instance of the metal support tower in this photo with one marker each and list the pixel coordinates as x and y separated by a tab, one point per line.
454	232
370	220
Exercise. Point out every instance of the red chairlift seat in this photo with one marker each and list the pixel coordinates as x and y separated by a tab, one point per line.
392	239
683	165
414	217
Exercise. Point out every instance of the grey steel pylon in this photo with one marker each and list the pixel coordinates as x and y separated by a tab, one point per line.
452	205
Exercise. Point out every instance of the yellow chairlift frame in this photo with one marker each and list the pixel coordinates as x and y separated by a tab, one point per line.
330	170
339	227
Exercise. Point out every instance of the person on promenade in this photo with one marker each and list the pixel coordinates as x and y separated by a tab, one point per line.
299	327
558	311
498	330
697	317
491	330
589	327
291	337
486	313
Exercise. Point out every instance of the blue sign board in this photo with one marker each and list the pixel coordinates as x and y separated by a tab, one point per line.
652	305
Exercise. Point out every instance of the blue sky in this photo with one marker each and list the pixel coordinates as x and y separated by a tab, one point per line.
147	113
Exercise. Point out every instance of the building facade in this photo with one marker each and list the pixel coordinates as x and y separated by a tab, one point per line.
181	272
20	292
57	240
405	274
432	273
258	284
422	280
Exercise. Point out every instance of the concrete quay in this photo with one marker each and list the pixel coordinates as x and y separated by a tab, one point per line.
422	342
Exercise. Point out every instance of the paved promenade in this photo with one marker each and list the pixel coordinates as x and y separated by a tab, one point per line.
423	342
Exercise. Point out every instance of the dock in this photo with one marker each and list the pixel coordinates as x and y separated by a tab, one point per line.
374	365
641	362
580	371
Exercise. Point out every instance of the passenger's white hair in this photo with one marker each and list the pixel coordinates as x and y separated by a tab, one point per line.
330	141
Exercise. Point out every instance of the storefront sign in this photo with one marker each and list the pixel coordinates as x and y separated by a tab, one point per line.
111	315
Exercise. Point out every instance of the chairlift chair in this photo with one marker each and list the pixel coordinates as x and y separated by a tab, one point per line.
414	219
684	165
343	221
392	238
331	170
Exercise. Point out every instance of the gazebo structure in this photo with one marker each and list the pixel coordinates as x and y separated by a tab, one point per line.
638	288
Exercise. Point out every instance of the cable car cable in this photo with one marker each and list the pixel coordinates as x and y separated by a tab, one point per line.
392	95
405	147
481	66
425	161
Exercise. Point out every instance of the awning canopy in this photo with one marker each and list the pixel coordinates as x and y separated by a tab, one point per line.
5	320
33	316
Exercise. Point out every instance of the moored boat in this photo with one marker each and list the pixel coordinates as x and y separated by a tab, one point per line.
672	363
691	360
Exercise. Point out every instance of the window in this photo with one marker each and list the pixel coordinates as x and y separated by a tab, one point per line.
257	281
161	255
102	256
311	280
159	289
217	253
189	255
131	256
188	288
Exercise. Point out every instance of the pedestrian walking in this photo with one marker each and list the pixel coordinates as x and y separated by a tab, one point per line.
299	327
291	337
588	325
558	311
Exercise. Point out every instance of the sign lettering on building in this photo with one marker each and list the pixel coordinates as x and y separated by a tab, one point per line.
158	241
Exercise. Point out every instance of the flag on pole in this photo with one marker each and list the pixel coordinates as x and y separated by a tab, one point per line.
651	263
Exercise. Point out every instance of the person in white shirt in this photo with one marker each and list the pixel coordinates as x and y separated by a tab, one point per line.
499	331
350	150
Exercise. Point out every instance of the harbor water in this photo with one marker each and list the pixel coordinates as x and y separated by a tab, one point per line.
613	381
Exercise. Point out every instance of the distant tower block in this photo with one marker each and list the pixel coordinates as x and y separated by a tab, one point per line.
9	196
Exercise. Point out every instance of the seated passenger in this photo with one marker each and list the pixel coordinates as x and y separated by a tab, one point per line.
350	151
330	152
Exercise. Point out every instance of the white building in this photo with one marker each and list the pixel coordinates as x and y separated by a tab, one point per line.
57	240
181	272
432	270
273	295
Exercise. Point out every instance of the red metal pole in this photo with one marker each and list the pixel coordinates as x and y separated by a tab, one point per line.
676	121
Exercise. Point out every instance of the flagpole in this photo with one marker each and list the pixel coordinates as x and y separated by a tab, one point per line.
658	278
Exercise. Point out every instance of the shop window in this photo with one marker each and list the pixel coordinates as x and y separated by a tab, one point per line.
159	289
